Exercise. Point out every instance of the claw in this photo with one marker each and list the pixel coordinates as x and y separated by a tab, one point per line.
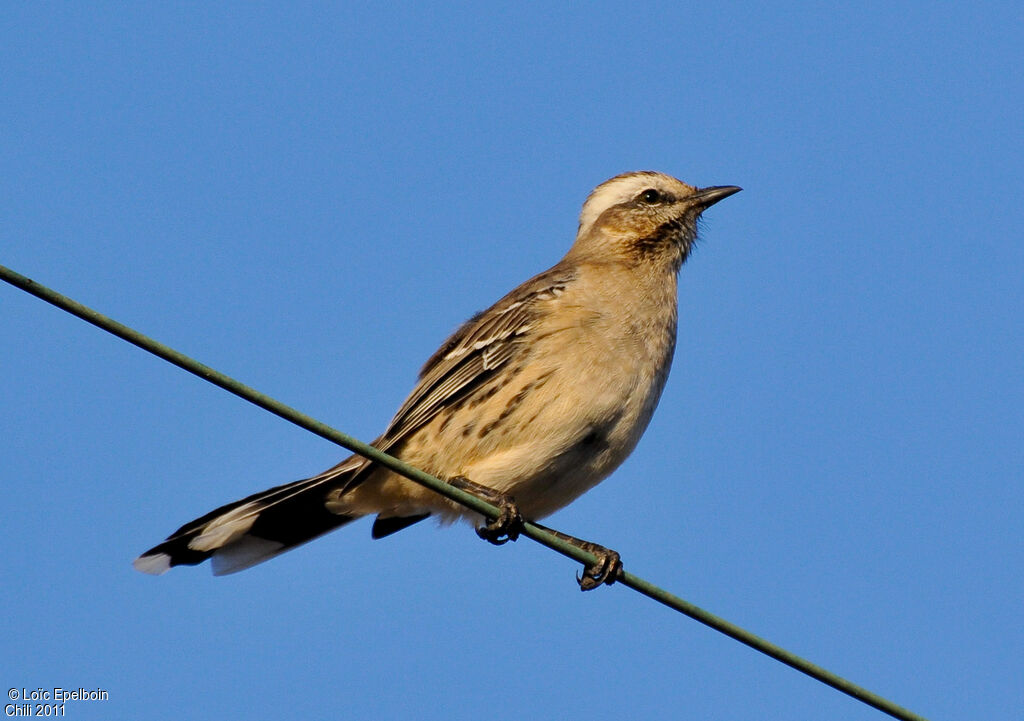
507	526
605	570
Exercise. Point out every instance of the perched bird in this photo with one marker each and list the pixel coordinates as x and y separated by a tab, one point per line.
529	404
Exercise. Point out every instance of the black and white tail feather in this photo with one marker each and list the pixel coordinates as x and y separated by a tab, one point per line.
254	529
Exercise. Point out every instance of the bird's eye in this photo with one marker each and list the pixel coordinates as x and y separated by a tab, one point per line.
650	196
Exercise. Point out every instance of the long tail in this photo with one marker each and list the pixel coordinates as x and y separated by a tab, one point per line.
254	529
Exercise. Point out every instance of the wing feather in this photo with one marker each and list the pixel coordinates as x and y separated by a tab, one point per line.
474	353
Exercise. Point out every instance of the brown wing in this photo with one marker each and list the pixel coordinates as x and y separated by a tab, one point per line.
475	353
478	350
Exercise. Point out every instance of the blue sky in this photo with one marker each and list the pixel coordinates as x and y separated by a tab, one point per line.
310	197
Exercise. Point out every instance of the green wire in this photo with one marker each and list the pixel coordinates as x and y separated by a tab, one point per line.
435	484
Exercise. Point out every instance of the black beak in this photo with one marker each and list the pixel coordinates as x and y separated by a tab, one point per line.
706	197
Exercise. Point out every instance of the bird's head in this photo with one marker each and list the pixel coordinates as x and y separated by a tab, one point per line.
644	217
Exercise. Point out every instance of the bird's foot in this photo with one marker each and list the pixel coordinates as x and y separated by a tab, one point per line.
509	523
605	570
607	565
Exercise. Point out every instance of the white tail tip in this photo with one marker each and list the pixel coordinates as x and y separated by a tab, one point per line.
153	565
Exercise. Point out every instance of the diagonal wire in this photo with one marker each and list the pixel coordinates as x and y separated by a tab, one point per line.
445	489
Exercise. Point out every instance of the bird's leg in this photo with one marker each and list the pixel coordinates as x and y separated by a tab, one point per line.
507	525
607	567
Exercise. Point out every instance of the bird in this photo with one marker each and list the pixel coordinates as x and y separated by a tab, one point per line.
529	404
